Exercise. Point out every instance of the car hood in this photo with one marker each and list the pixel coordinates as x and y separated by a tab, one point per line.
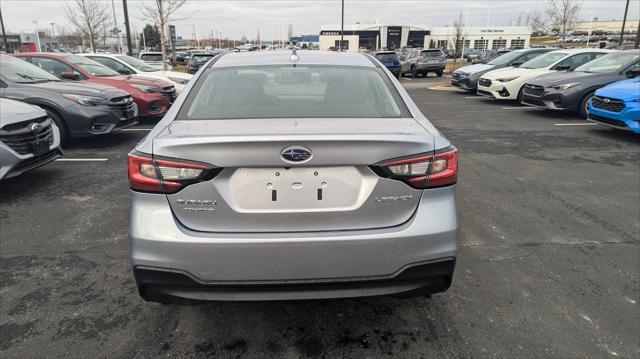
137	80
626	90
513	71
179	75
559	78
12	111
80	88
475	68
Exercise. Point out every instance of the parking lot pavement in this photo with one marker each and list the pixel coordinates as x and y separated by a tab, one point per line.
548	263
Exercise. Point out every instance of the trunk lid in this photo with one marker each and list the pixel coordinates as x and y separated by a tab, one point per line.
257	191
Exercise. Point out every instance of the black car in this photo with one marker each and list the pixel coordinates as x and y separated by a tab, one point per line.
78	109
467	77
571	91
198	59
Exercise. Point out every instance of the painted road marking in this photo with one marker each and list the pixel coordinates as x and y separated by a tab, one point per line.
576	124
82	159
474	97
516	108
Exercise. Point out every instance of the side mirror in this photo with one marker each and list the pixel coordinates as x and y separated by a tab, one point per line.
632	73
517	64
68	75
563	68
124	72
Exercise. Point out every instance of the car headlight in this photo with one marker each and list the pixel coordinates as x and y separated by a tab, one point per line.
146	89
507	79
565	86
85	100
178	80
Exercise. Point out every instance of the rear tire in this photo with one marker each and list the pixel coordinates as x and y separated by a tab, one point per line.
582	111
414	73
439	73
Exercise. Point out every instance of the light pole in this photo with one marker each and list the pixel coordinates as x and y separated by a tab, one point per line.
624	22
342	29
4	36
590	25
35	22
116	31
53	32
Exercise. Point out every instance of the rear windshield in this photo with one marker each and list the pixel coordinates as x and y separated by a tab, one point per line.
151	57
201	57
293	92
431	54
387	57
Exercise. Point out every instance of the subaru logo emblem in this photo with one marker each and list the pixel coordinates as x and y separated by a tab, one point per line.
35	127
295	154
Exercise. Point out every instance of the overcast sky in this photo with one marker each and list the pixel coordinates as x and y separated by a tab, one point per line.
235	18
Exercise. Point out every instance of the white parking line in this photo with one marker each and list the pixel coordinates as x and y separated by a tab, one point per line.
576	124
82	159
473	97
515	108
136	129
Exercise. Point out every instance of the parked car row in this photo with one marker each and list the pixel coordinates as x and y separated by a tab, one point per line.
563	80
65	96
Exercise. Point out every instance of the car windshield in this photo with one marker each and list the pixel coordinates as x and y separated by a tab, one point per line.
505	58
90	66
151	57
200	58
21	71
387	57
609	63
543	61
294	92
431	54
135	63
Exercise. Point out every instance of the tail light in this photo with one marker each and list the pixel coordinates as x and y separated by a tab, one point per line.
165	176
424	171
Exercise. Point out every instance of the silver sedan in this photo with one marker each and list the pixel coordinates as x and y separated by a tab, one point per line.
292	176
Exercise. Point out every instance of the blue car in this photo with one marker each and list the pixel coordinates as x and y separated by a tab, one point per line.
390	60
617	105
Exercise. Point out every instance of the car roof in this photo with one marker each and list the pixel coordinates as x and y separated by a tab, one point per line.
256	58
385	52
581	50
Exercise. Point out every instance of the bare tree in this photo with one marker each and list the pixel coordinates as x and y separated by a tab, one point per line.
459	32
533	19
159	13
562	14
89	17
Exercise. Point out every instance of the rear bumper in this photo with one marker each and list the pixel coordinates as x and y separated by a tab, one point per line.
176	286
366	259
430	67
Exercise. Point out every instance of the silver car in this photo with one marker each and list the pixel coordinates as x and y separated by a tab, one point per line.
292	176
28	138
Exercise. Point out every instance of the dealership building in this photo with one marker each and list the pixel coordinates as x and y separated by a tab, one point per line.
381	36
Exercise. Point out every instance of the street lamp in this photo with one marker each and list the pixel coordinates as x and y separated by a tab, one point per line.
590	24
53	32
35	22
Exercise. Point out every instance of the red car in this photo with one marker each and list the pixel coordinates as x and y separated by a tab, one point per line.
153	97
